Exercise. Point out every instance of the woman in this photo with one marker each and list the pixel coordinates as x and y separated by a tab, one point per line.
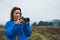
16	29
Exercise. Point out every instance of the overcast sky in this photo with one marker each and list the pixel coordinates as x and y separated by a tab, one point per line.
36	10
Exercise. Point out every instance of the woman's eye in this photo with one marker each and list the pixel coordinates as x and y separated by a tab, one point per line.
17	13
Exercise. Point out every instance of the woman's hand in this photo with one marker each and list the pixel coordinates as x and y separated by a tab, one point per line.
19	20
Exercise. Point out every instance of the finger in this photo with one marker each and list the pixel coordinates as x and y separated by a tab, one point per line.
19	18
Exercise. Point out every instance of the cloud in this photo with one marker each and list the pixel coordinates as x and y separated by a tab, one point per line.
36	10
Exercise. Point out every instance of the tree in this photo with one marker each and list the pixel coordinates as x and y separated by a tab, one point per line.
40	23
34	24
50	24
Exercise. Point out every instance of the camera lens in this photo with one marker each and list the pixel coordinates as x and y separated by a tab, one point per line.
26	19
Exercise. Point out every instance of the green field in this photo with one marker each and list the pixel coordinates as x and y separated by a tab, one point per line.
39	33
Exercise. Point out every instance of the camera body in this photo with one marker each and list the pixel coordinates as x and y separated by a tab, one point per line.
25	19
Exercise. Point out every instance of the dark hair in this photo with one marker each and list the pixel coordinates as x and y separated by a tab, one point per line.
12	12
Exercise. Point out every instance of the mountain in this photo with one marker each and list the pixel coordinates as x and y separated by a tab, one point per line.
54	20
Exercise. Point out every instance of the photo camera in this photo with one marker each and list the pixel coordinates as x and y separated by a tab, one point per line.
25	19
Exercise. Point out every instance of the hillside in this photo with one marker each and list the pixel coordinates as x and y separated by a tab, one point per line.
39	33
45	33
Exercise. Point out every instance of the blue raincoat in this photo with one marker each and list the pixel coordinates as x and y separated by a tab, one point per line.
12	29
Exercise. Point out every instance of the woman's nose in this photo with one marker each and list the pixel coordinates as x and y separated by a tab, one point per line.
18	15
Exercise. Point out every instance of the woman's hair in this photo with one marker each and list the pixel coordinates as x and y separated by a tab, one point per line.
12	12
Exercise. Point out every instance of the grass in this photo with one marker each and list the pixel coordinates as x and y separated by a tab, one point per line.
39	33
45	33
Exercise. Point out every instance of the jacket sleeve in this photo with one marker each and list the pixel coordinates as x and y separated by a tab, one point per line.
10	29
27	30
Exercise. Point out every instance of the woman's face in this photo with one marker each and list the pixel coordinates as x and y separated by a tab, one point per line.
16	14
